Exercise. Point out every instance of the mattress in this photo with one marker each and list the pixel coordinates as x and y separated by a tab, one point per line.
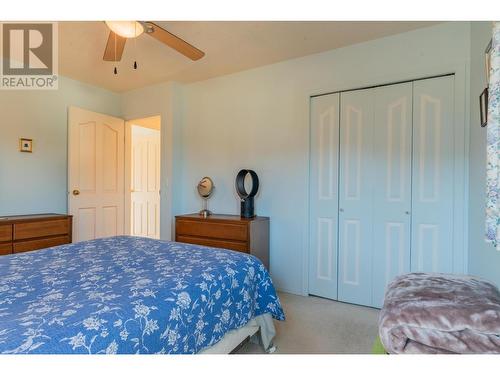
129	295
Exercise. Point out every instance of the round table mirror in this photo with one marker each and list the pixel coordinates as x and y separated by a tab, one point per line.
205	189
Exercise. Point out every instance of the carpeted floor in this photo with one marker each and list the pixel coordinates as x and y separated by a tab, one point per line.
315	325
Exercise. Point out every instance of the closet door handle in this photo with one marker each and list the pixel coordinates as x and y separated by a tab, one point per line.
341	210
407	212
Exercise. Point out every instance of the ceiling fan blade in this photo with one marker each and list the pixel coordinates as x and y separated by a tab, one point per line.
173	41
114	47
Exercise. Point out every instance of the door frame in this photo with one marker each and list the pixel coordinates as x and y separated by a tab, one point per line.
461	148
128	165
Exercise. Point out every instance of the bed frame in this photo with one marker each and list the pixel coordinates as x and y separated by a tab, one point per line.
261	329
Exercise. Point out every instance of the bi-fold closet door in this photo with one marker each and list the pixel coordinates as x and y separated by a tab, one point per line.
374	191
323	223
381	187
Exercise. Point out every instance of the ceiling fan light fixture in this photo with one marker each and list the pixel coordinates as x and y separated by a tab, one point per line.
126	29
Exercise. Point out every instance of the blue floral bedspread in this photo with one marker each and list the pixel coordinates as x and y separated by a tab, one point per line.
128	295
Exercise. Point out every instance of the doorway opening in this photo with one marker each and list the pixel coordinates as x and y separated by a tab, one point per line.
142	177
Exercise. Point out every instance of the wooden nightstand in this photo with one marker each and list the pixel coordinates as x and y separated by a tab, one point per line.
232	232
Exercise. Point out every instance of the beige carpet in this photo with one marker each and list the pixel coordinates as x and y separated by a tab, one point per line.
315	325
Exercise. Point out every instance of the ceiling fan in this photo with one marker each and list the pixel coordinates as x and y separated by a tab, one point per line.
120	31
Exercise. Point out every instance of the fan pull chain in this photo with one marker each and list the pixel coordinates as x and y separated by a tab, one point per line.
135	46
115	71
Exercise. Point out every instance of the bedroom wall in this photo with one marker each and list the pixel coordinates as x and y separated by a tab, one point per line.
258	119
484	260
37	182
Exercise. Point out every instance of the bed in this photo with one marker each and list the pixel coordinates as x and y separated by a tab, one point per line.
133	295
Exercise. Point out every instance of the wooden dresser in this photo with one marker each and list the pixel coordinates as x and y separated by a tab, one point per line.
32	232
233	232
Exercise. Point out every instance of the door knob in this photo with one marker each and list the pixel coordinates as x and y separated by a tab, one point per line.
341	210
76	192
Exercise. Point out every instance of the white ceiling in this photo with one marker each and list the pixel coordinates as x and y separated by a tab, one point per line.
229	46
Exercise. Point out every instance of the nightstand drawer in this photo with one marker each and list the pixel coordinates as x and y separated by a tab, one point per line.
246	235
223	244
5	249
225	231
21	247
22	233
41	229
6	232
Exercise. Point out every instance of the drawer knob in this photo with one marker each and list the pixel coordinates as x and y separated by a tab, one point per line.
76	192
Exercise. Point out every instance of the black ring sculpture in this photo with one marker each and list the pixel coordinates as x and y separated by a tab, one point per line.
247	207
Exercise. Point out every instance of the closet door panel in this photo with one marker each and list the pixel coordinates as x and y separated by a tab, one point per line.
324	196
391	163
355	197
433	172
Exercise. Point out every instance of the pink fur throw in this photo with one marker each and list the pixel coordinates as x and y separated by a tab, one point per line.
440	313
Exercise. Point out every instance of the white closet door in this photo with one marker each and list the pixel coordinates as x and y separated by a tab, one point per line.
324	196
433	172
391	164
355	197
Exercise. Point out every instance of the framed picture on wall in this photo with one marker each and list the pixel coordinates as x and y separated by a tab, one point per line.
483	107
487	62
25	145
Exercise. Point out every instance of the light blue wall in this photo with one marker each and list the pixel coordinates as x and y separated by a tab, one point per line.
484	260
37	182
254	119
259	119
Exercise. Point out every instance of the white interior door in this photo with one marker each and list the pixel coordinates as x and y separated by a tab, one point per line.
355	197
95	174
145	182
391	164
434	164
323	201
